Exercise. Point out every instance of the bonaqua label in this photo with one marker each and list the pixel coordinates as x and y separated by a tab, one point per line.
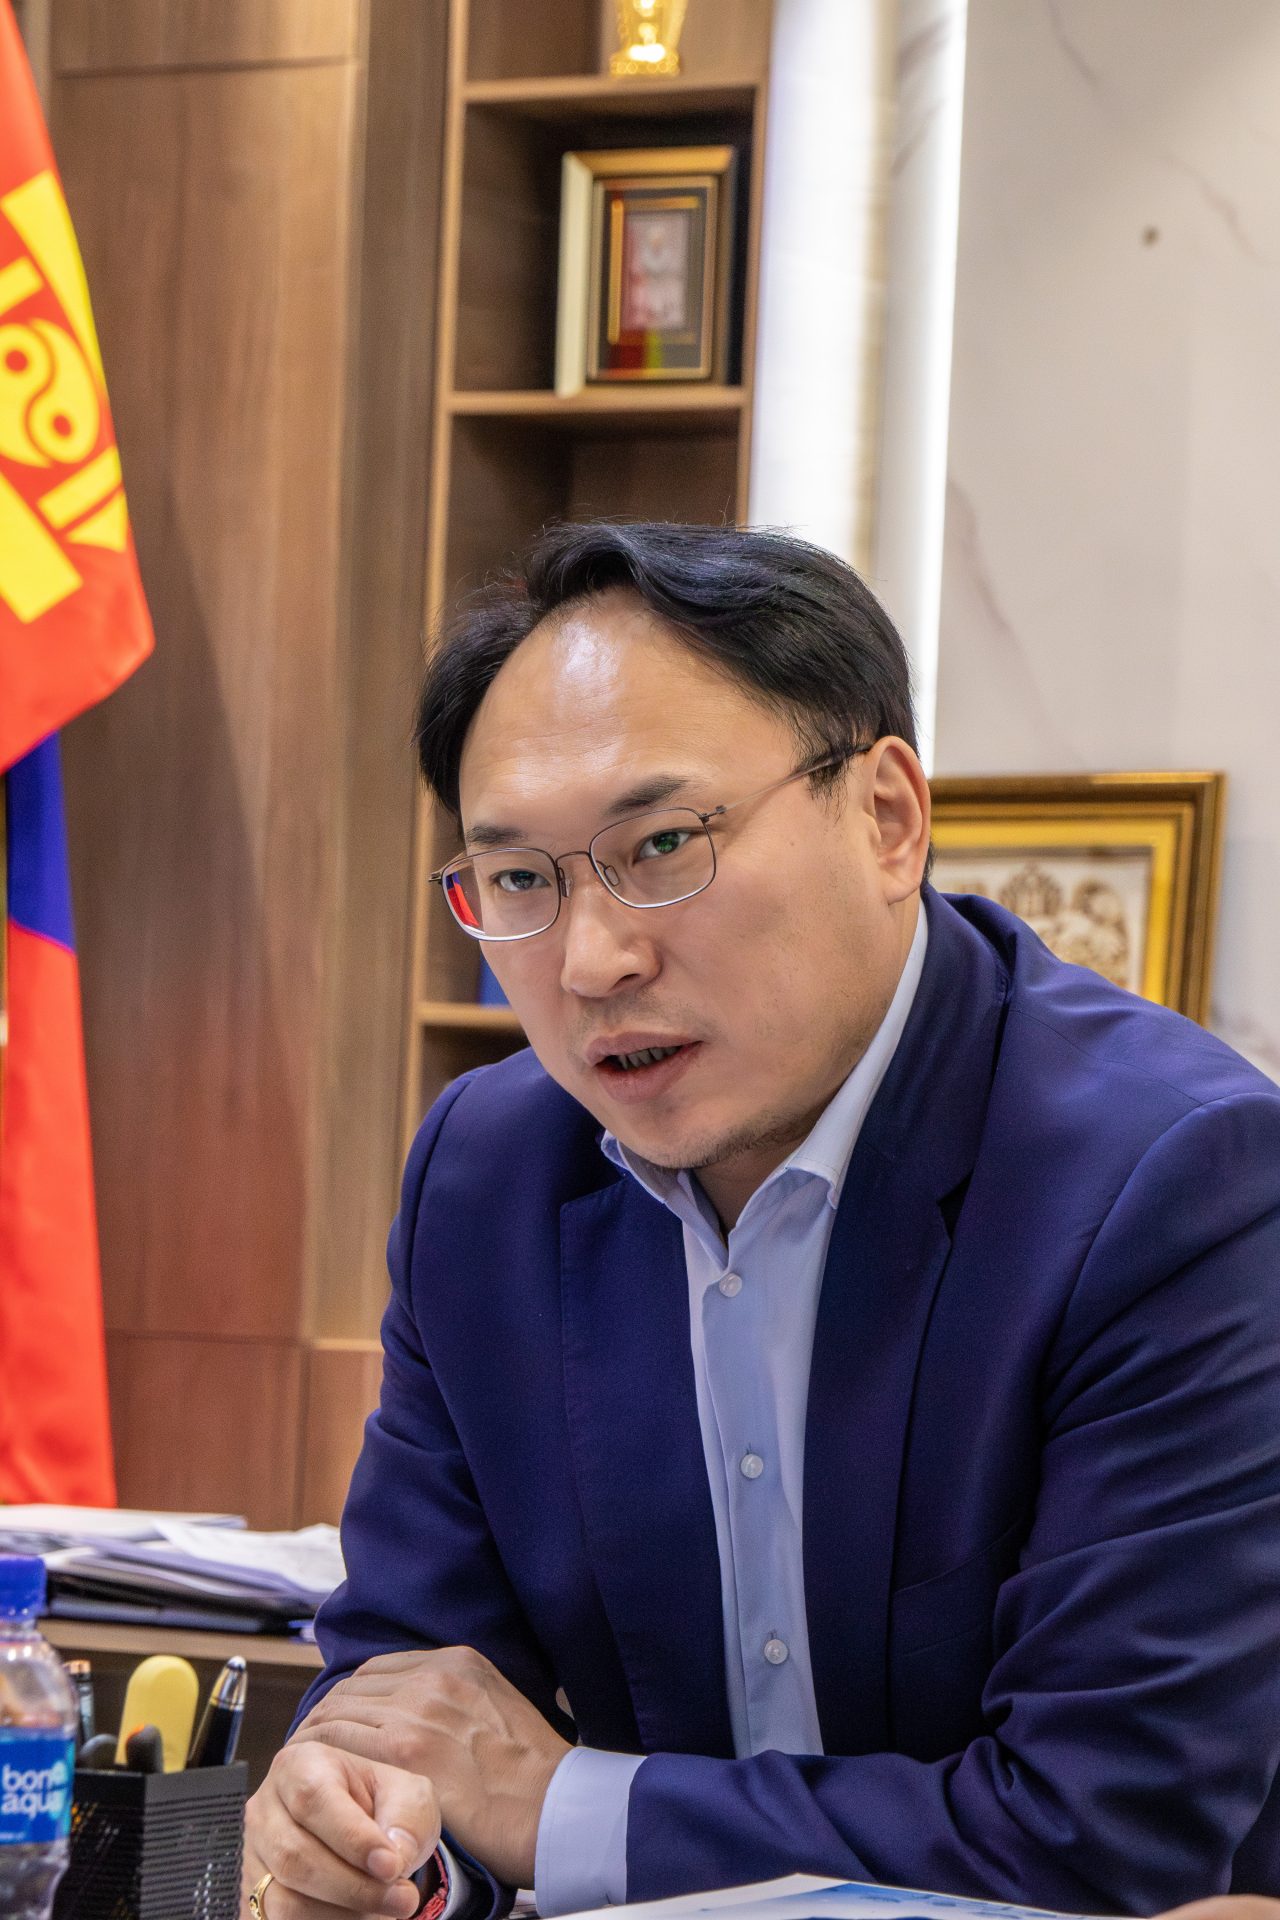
35	1785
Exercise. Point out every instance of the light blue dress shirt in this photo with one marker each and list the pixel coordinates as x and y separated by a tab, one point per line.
752	1310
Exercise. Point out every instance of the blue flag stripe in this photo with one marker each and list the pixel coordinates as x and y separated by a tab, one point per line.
39	883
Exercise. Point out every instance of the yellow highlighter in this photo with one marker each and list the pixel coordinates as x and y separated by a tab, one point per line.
162	1692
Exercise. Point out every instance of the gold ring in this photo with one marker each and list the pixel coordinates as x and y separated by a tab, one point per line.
256	1907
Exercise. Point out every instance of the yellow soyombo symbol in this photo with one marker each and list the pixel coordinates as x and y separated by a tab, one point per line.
51	393
48	403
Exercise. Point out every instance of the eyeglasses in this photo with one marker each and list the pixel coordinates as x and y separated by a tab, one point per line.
651	859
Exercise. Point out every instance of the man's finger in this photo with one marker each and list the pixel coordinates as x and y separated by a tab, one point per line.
310	1881
406	1809
333	1803
282	1903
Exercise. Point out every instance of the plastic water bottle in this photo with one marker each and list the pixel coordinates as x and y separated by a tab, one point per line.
38	1723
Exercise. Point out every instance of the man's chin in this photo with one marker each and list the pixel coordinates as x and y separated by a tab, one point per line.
687	1151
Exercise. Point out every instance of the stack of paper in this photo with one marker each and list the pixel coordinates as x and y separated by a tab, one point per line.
177	1569
804	1896
42	1528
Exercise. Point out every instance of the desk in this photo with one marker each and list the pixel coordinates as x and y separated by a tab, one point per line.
280	1668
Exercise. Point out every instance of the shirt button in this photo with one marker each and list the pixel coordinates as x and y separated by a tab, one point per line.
751	1466
775	1652
731	1285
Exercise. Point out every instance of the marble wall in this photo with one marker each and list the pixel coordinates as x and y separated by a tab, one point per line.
1111	574
814	440
923	194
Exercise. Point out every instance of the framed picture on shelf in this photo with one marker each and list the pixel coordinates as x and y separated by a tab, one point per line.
1118	872
646	246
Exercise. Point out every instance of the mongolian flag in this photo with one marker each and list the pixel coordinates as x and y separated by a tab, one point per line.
73	624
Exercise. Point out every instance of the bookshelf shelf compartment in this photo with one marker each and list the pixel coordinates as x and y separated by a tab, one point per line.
509	182
509	455
561	98
468	1017
656	409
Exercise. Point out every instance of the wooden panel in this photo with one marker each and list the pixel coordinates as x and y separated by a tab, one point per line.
88	36
358	1173
202	795
508	254
652	478
514	37
255	1649
507	477
688	407
605	100
343	1382
207	1424
35	24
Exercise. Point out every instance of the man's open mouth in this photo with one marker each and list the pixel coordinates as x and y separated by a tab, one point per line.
646	1057
640	1065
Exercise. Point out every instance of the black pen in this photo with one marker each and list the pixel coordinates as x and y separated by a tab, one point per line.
219	1729
80	1674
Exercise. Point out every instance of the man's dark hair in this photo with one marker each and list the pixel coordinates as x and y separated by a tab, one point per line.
792	625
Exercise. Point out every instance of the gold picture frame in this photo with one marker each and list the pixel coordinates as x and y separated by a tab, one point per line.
1118	871
646	255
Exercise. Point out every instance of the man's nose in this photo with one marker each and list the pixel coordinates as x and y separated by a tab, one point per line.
606	943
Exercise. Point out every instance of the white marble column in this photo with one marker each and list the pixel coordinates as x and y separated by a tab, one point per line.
822	272
924	206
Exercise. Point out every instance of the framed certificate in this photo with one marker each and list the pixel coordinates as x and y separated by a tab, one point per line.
646	245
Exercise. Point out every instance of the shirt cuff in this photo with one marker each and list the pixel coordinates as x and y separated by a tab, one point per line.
581	1858
444	1884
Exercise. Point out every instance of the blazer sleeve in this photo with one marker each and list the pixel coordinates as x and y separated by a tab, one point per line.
422	1566
1131	1718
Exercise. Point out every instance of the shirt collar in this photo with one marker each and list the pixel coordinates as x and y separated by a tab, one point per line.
827	1149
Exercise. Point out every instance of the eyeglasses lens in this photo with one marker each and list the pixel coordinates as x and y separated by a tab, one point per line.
504	895
655	859
650	860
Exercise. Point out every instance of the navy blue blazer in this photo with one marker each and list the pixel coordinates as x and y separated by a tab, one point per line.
1042	1474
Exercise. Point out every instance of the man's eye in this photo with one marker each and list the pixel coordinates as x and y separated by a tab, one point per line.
657	845
518	880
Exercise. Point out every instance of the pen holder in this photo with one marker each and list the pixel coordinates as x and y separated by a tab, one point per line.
155	1846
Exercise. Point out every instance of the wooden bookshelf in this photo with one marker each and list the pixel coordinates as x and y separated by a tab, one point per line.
508	454
678	408
467	1017
597	93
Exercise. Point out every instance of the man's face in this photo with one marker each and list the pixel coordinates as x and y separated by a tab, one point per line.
772	981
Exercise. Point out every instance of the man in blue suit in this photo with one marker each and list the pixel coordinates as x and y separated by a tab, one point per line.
831	1405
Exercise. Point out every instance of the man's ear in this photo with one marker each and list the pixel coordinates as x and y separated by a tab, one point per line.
898	799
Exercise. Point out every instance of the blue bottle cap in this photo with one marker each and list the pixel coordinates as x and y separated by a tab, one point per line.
22	1583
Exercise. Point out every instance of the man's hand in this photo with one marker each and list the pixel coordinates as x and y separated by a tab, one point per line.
1227	1906
338	1830
451	1718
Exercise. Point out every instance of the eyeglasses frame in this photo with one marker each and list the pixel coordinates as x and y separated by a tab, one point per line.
838	759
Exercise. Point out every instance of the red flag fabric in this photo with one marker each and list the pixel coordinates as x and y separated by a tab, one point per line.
55	1433
73	624
73	620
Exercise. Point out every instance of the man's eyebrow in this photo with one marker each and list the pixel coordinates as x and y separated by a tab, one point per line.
653	792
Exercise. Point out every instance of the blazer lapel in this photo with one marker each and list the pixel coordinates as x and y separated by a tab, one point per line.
638	1461
889	1247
